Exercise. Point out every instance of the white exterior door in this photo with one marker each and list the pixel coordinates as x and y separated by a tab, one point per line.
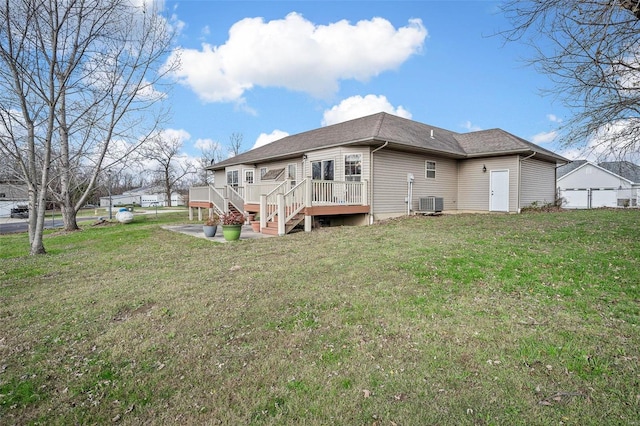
499	191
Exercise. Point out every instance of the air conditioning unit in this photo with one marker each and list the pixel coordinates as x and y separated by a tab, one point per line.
430	204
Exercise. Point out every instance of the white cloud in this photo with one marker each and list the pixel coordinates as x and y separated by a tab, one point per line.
358	106
554	118
296	54
206	144
544	137
174	134
264	138
471	127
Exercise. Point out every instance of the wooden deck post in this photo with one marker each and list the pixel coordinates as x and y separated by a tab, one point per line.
365	192
308	219
282	215
263	211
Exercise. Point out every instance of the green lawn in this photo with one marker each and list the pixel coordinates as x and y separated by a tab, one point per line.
461	319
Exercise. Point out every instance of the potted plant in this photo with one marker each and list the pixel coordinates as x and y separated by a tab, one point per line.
211	225
232	225
255	222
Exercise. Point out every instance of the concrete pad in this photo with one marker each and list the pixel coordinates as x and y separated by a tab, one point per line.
196	231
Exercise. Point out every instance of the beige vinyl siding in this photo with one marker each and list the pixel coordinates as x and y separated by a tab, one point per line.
219	178
337	155
390	187
474	184
537	182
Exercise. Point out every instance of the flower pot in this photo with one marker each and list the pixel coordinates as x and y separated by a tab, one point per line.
231	232
209	231
255	225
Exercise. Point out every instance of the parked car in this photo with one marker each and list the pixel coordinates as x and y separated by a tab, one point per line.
20	212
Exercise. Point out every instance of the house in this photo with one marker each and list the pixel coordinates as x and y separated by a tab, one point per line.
584	185
13	195
378	167
146	196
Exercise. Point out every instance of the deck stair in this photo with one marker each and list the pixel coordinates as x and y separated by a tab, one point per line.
272	226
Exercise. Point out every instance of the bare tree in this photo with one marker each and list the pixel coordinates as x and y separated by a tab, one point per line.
171	168
591	51
210	153
235	143
76	75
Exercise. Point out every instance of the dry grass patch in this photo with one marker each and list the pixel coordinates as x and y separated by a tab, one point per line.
468	319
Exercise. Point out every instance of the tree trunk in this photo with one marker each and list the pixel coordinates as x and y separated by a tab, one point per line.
67	204
69	218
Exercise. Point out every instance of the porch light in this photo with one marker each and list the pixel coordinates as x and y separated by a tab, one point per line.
484	169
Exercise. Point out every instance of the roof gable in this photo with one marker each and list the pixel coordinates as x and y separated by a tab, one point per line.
569	167
582	164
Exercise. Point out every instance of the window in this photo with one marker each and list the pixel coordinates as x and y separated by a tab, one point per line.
430	169
353	167
322	170
263	171
248	176
232	178
292	171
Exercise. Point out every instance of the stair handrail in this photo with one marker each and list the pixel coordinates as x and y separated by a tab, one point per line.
272	202
216	198
235	199
294	200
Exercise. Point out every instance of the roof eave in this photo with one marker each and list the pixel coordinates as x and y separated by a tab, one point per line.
538	154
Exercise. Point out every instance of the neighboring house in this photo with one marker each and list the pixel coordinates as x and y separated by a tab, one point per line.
584	185
13	195
147	196
378	167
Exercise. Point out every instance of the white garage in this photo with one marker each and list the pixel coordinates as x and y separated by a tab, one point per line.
585	185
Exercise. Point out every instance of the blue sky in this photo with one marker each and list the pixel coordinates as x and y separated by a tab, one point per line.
266	69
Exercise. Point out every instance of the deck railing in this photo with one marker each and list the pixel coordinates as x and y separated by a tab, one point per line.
294	200
255	190
328	192
235	197
281	199
208	194
272	201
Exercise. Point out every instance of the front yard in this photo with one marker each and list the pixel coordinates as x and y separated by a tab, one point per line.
462	319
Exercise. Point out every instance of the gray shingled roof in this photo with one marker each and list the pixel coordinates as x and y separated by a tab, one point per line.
625	169
569	167
14	191
401	133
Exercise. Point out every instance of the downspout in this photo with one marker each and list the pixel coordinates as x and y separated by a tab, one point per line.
520	178
371	180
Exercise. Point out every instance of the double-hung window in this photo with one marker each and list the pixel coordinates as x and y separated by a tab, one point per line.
291	173
232	178
430	169
248	176
353	167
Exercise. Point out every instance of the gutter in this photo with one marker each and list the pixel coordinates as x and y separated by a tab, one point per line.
371	180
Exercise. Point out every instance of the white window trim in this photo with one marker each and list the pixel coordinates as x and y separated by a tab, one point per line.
345	162
295	165
263	171
426	169
244	175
